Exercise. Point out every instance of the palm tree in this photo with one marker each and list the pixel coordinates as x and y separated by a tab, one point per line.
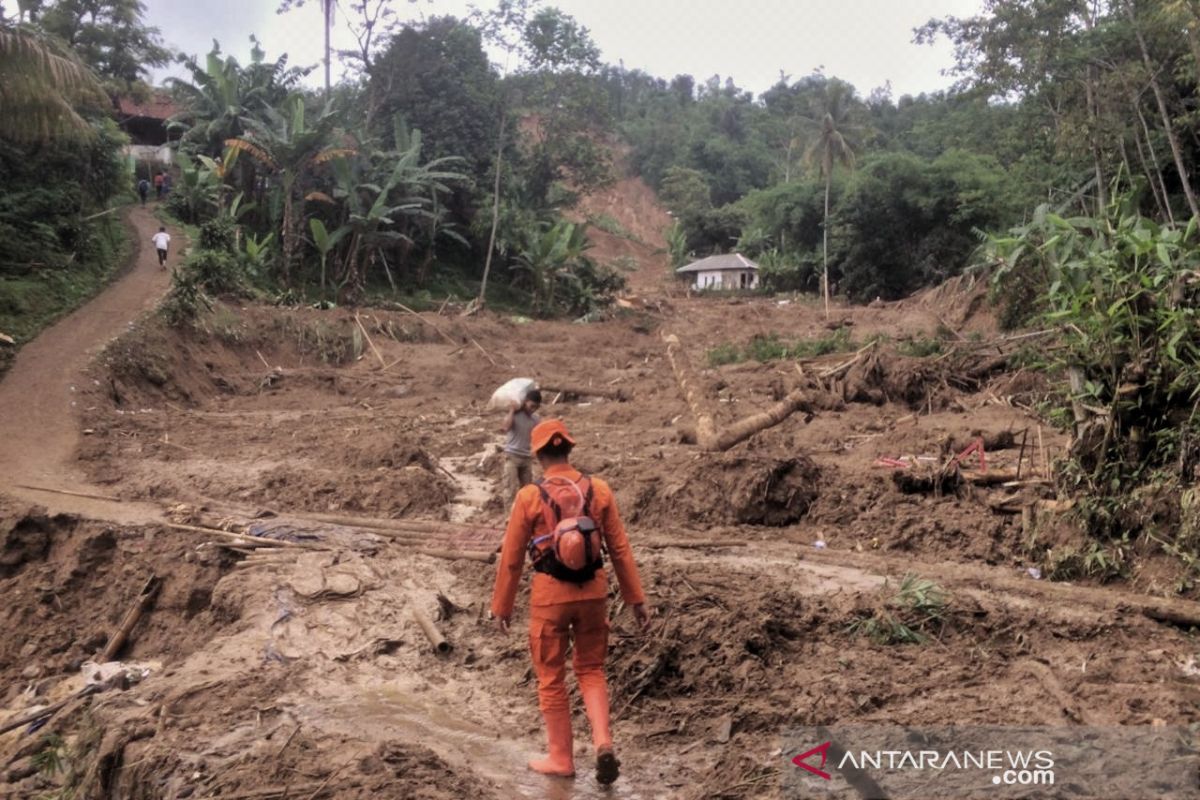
41	86
832	145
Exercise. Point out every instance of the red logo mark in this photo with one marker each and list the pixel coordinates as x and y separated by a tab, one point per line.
823	750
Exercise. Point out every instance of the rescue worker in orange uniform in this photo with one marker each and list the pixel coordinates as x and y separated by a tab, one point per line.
561	609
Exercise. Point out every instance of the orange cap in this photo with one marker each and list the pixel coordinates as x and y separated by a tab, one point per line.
551	431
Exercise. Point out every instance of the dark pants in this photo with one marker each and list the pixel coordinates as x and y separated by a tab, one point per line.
143	196
162	258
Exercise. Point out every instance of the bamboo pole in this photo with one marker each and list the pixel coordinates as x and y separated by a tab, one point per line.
439	643
255	541
144	598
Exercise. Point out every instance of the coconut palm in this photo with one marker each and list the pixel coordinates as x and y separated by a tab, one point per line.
42	84
833	143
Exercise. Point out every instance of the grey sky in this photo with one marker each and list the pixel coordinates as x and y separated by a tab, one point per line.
867	42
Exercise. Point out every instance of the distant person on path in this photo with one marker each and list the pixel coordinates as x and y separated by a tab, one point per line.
166	185
565	522
158	185
518	457
162	241
143	189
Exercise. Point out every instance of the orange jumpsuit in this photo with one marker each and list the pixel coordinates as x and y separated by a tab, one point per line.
558	608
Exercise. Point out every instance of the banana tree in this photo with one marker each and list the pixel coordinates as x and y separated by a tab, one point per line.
549	258
325	242
290	147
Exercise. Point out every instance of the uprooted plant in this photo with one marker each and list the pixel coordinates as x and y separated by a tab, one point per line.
912	614
1122	290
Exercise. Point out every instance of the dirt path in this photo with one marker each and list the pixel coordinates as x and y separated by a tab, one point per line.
39	429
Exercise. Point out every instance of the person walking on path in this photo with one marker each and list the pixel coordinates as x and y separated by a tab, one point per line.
518	457
564	522
162	241
143	189
158	185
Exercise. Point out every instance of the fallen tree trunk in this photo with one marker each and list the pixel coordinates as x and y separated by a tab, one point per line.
748	426
707	436
689	387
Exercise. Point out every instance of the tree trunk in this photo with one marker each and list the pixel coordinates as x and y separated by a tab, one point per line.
487	263
689	387
1162	186
1172	139
748	426
1164	207
289	237
825	244
707	436
327	10
1093	112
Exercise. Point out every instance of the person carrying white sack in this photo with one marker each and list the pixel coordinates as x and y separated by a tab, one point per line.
517	427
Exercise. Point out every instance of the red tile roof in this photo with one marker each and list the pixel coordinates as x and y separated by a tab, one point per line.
157	107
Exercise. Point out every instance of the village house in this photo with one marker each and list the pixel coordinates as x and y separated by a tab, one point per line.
146	125
727	272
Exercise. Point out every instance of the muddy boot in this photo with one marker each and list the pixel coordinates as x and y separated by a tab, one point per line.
560	761
607	766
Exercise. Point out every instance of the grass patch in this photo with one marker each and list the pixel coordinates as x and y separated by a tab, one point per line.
30	303
772	348
912	615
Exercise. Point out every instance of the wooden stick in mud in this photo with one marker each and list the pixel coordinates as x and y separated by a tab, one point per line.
419	525
144	598
440	645
441	332
48	711
68	493
459	555
689	387
620	395
367	336
256	541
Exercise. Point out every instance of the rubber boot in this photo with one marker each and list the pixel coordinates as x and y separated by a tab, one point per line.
560	742
595	700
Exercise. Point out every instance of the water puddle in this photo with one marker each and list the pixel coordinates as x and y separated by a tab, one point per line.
473	490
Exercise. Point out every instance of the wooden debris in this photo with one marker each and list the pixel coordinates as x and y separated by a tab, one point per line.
459	555
140	604
252	541
68	493
367	336
436	640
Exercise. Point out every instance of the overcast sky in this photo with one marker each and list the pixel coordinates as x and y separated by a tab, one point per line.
867	42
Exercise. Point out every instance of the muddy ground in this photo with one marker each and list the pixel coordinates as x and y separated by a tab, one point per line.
303	673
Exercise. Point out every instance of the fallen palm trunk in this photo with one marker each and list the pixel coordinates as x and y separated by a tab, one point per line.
620	395
706	433
748	426
144	598
689	387
439	643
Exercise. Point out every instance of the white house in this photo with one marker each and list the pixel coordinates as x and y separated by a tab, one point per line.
727	272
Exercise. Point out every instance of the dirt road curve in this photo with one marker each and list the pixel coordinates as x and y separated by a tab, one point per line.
39	426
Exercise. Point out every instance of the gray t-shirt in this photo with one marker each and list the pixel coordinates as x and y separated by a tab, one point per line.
517	438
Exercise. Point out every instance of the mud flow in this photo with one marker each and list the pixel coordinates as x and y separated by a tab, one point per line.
283	543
